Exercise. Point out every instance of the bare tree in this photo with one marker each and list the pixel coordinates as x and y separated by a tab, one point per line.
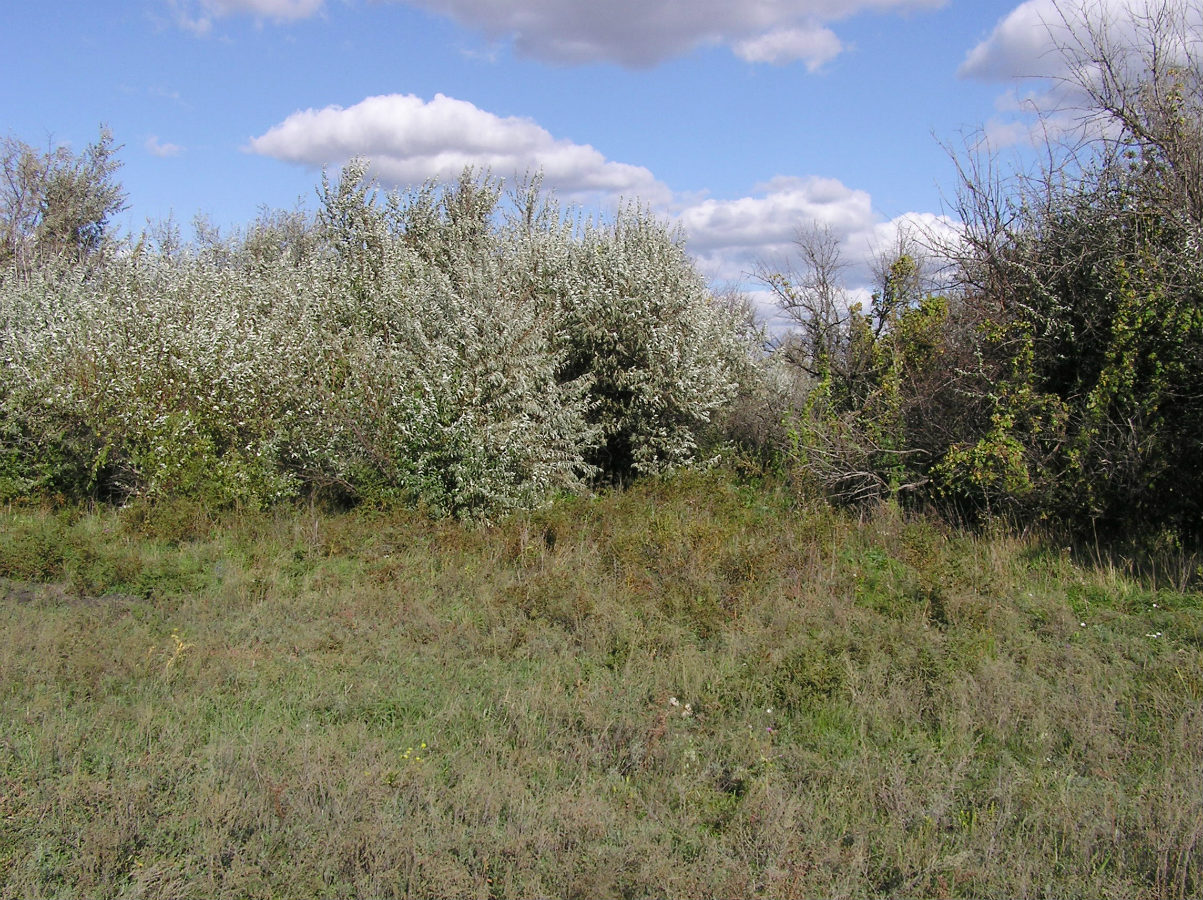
1141	77
814	297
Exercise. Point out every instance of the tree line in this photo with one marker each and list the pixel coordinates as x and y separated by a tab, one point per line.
473	351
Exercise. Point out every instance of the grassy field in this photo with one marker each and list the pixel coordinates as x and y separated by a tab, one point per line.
697	687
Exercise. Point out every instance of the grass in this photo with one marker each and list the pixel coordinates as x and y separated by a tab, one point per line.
694	687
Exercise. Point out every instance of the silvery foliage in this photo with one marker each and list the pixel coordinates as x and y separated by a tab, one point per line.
663	355
418	348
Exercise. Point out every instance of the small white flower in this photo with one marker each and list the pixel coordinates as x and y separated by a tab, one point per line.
1083	624
673	701
769	711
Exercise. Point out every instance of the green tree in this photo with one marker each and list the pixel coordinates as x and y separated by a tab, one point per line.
57	203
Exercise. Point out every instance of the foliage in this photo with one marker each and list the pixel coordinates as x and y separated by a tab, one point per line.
1057	383
639	323
879	406
1090	293
473	352
56	203
420	348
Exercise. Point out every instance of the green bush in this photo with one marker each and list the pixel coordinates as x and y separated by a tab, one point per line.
427	347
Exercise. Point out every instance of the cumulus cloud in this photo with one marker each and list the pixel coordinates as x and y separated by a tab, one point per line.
1022	44
1027	42
731	238
628	32
646	32
163	150
765	224
410	140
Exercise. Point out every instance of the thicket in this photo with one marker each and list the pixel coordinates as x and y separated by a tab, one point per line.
1090	282
1059	382
439	347
474	352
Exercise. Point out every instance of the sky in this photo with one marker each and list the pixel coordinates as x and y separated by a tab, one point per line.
739	121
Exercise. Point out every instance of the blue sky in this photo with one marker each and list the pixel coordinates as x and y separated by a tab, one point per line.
742	121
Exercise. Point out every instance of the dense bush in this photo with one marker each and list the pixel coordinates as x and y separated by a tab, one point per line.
662	358
1058	381
472	352
1095	336
424	346
877	395
1089	289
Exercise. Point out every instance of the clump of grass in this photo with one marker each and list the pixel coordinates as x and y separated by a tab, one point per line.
693	687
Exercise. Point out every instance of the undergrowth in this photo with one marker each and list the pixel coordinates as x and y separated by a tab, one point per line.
697	686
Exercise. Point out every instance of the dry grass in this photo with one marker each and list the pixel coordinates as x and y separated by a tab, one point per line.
372	704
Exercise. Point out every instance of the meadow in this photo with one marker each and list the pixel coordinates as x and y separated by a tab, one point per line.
703	685
449	541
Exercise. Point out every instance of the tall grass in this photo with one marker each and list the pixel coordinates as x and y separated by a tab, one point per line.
697	686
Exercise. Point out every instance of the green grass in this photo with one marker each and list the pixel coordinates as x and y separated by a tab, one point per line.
370	703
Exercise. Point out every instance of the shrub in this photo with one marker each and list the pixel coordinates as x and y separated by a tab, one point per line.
662	356
426	348
1089	286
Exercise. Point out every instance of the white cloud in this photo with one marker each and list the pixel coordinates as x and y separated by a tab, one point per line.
768	221
731	238
1027	43
628	32
410	140
815	46
163	150
1021	45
